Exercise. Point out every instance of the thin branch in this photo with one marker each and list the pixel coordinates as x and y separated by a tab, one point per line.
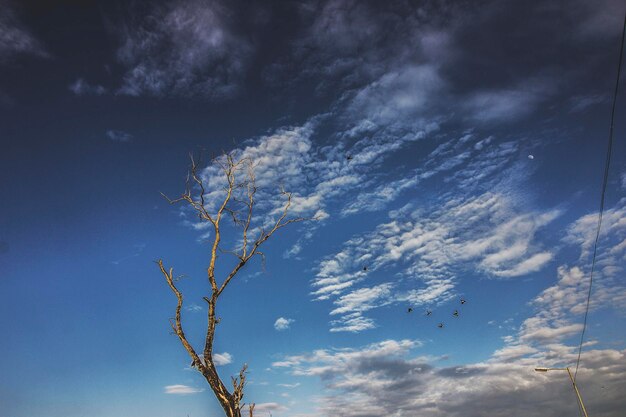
177	326
260	240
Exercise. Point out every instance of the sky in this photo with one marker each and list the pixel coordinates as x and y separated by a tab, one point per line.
447	150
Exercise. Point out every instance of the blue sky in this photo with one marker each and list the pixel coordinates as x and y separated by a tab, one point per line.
454	149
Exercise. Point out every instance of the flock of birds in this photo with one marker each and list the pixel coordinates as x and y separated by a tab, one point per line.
429	313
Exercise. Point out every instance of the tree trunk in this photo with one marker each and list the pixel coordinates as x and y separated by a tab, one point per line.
226	399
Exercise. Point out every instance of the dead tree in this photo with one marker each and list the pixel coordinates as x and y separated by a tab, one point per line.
237	202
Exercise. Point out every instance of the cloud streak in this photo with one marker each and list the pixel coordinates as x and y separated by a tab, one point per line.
181	389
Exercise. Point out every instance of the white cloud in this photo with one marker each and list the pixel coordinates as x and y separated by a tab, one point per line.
297	384
267	407
429	247
181	389
282	323
352	323
221	359
193	308
362	299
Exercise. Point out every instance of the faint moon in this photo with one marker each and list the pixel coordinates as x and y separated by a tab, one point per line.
531	157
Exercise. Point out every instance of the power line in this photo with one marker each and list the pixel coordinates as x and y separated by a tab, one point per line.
604	183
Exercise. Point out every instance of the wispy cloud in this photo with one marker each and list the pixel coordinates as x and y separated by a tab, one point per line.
119	136
183	48
268	407
510	104
347	44
15	39
297	384
430	247
181	390
80	87
193	308
560	307
137	250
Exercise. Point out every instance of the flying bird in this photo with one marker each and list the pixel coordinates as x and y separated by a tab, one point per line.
365	268
456	313
440	325
409	310
463	301
429	313
349	157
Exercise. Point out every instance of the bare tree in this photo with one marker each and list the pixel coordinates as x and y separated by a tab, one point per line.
238	202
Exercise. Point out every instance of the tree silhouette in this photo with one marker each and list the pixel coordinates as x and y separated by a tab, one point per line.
238	202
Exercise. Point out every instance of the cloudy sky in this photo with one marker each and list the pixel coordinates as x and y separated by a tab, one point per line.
449	150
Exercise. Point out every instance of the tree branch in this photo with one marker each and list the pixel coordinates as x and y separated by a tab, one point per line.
239	200
177	326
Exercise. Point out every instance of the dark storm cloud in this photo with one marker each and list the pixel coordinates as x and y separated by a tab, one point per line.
189	48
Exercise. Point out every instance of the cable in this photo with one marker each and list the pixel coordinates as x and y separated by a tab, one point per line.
604	182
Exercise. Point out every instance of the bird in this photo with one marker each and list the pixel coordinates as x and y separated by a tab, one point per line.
429	313
409	310
440	325
365	268
349	157
463	301
456	313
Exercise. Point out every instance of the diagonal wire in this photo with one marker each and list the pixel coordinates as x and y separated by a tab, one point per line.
604	183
